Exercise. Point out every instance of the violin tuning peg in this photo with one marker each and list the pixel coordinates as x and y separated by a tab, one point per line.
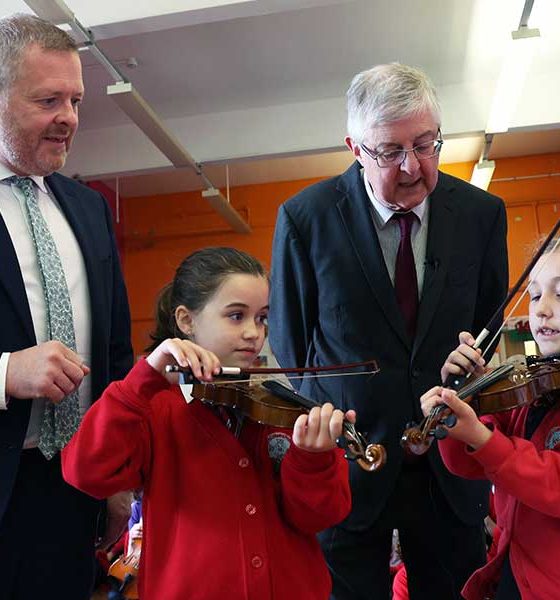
342	442
450	421
440	433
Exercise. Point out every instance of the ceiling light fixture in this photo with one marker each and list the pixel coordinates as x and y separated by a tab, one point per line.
221	205
484	168
482	173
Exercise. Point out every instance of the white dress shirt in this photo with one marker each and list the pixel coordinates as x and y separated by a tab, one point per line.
389	234
12	211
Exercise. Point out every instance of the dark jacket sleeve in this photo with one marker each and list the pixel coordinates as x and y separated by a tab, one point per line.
120	347
293	299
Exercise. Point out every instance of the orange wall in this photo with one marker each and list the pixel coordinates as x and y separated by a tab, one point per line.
161	230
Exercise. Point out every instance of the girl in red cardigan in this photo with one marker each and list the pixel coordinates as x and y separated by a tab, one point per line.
229	511
519	451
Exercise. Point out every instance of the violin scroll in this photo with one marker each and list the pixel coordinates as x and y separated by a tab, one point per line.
370	457
501	389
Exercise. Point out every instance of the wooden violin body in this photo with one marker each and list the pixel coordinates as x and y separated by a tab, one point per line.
273	404
125	571
253	401
521	387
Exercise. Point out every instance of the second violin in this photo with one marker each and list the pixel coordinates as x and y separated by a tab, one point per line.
502	389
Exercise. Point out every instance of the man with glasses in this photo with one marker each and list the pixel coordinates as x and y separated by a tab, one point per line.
390	261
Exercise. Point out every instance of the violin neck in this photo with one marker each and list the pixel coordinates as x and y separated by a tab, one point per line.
285	393
483	382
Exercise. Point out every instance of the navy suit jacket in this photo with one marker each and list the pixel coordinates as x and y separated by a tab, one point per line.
111	351
332	302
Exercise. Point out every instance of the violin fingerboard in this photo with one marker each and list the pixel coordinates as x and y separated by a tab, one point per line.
288	394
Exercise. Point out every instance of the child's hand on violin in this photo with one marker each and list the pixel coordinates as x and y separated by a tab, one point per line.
319	430
468	428
464	359
203	363
134	534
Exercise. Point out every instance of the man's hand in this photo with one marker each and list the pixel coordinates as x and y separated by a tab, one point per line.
118	513
49	370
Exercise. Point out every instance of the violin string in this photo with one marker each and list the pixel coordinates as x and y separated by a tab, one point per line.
436	410
259	378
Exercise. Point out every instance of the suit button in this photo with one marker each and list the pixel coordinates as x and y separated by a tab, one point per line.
243	463
256	562
250	509
416	373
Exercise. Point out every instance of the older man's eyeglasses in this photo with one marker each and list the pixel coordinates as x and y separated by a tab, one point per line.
395	158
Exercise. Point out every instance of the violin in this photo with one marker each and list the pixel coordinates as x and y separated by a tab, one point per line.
272	403
536	383
125	571
502	389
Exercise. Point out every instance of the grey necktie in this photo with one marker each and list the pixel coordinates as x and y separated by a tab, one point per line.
61	420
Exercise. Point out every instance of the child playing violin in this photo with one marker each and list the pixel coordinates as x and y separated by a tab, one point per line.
519	452
228	512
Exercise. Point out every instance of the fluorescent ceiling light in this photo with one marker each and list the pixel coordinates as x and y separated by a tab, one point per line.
520	52
482	173
54	11
141	113
221	205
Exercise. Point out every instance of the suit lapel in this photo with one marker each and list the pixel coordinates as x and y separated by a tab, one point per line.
438	255
78	214
355	211
12	281
72	208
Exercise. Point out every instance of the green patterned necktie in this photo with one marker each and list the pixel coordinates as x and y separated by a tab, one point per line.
60	420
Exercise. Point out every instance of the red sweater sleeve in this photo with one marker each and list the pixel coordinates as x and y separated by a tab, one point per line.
459	459
110	451
518	468
315	489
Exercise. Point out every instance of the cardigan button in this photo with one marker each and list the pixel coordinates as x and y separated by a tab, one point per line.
256	562
250	509
243	463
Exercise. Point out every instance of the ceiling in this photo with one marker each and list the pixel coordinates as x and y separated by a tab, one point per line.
259	85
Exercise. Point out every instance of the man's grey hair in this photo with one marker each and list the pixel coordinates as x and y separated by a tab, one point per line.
17	33
388	93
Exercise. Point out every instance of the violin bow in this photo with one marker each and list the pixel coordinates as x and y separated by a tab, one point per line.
495	320
456	382
236	372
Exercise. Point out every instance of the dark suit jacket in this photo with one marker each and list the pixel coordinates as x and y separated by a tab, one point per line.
332	302
90	218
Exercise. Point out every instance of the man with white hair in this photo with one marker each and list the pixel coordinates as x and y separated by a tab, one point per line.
64	319
390	261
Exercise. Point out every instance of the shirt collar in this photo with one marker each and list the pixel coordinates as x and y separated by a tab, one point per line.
39	181
384	212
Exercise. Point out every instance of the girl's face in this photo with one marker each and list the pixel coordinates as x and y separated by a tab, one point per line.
233	322
544	306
